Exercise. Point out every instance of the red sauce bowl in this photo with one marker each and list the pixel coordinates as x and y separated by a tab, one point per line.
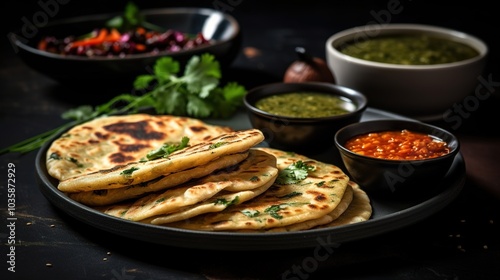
384	174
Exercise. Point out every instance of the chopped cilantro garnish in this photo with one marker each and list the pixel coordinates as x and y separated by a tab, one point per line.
250	213
273	210
166	149
129	171
294	173
226	202
159	200
75	161
216	145
54	156
290	195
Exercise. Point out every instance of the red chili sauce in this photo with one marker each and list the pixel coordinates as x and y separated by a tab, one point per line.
398	145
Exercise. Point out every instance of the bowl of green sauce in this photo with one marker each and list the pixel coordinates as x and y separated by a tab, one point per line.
303	117
417	70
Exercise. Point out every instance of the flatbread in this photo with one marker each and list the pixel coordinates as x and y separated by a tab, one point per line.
328	218
281	205
341	207
216	203
359	209
258	170
110	141
142	171
110	196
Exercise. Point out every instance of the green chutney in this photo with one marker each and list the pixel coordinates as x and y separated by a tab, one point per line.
410	50
305	105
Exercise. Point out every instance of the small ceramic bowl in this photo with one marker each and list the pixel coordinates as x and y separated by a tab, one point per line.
303	134
423	92
396	176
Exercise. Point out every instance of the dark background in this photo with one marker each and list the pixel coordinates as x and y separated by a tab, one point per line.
275	28
313	21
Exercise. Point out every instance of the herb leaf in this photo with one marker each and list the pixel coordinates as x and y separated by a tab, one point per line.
250	213
165	69
130	18
216	145
273	210
79	113
290	195
129	171
196	93
166	149
227	203
294	173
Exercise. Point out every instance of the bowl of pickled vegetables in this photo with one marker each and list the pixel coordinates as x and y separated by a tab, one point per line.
118	47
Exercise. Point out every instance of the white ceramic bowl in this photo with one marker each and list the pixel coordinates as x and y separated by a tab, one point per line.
424	92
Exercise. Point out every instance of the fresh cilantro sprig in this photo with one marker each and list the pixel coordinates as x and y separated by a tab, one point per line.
294	173
131	18
196	93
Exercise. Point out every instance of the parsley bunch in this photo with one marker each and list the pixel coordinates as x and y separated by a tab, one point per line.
196	94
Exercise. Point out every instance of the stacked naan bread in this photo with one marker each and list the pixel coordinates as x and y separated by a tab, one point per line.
220	181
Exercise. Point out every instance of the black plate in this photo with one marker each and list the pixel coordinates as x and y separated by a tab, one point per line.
388	215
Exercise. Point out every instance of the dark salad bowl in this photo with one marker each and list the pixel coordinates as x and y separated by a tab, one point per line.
221	28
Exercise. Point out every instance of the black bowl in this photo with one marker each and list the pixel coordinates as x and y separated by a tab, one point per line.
305	135
396	177
213	24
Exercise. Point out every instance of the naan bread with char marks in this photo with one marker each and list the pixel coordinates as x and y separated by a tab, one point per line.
138	172
110	196
341	208
216	203
281	205
359	209
354	207
111	141
258	170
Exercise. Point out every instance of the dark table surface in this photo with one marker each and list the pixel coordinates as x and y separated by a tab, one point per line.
461	241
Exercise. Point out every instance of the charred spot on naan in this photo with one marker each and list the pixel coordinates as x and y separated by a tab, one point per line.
201	129
140	130
100	192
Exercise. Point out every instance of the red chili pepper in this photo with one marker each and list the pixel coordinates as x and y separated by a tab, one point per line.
42	45
139	30
99	39
140	47
113	36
